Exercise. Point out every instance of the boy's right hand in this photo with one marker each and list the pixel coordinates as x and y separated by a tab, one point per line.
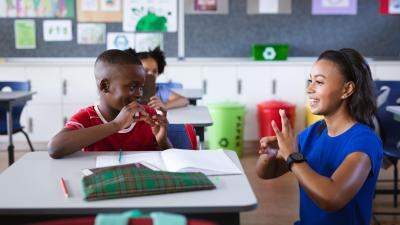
130	114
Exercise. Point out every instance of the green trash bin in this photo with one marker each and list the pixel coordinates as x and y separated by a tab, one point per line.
227	129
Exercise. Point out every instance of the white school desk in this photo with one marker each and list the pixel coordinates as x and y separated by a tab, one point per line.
198	116
192	94
8	100
31	187
395	109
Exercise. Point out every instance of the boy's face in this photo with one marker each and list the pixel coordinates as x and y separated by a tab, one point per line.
125	85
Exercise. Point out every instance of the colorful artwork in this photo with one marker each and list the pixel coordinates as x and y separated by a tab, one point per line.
334	7
99	11
120	40
205	5
25	34
389	7
57	30
274	6
150	16
91	33
37	8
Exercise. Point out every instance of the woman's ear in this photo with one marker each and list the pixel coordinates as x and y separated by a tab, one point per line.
105	85
348	89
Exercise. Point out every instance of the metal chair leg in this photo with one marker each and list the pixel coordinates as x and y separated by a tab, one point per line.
395	186
29	141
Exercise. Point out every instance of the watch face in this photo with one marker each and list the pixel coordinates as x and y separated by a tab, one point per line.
297	156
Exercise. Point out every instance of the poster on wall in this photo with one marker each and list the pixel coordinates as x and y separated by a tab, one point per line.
269	6
99	10
91	33
37	8
150	15
389	7
334	7
148	41
120	40
25	34
206	7
57	30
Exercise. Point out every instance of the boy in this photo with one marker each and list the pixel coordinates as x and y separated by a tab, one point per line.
119	121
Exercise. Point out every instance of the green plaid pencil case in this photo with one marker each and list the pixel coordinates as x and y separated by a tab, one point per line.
137	180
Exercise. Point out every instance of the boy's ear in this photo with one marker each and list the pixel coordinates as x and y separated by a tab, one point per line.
105	85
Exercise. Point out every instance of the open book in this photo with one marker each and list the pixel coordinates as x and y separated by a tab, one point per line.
210	162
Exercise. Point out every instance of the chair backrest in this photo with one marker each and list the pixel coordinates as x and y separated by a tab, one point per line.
182	136
16	110
388	93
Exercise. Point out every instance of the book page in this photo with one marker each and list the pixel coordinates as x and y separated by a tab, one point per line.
210	162
152	160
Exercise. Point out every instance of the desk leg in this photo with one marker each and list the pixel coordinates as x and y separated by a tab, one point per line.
9	132
192	102
200	132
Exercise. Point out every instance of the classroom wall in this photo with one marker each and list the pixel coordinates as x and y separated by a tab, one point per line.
232	35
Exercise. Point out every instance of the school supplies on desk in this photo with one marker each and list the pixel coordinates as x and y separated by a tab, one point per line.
209	162
134	180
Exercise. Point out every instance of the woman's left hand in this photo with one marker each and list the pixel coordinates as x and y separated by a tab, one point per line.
286	138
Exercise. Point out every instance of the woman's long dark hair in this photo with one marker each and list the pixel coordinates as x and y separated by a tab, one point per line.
353	66
158	55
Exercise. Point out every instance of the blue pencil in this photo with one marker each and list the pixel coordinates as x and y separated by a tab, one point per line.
120	156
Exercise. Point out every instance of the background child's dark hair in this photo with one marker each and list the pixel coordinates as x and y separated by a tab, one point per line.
115	56
157	55
353	66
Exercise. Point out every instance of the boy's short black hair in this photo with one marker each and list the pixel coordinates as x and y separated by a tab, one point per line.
158	55
115	56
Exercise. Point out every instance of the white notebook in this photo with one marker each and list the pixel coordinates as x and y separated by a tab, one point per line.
210	162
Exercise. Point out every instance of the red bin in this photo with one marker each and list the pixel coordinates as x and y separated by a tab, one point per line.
268	111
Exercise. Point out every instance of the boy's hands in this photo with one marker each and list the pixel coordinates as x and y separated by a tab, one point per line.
156	103
130	114
159	125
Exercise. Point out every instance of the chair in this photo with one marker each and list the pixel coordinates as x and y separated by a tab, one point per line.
182	136
16	110
388	93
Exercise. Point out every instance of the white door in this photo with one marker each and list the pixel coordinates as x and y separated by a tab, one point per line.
219	84
78	84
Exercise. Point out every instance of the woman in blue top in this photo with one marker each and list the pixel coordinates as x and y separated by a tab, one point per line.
337	160
154	63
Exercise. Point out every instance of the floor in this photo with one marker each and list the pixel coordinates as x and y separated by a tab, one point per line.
277	199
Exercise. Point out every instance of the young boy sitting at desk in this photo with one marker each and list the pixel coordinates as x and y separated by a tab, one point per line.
118	121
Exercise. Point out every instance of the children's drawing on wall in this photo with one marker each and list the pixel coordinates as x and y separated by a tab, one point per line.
148	41
205	5
121	41
91	33
25	34
37	8
110	5
394	6
150	16
334	7
57	30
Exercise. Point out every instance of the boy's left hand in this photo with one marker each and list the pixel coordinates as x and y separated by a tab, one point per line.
156	103
159	125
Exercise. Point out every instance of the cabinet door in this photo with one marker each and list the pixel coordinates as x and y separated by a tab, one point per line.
79	85
254	86
45	120
46	82
71	109
387	71
12	73
220	84
188	76
291	83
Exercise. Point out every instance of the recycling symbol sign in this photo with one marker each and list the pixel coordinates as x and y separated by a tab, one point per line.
269	53
223	142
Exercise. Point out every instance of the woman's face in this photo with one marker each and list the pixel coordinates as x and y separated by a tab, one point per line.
326	89
150	66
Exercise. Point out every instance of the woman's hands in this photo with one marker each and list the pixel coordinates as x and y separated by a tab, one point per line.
286	139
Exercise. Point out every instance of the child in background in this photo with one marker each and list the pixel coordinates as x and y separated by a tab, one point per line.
154	64
118	121
336	160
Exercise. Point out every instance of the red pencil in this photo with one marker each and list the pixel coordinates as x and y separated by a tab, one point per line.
64	187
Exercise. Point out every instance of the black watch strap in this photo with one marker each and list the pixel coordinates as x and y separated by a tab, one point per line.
294	157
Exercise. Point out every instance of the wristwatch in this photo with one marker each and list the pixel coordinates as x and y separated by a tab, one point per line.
295	157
